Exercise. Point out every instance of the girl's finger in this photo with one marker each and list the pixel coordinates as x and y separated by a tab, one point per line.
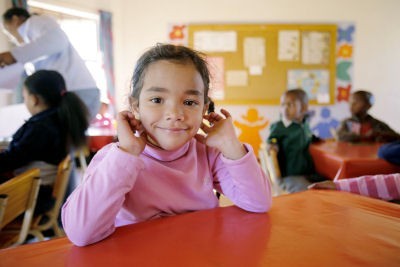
204	127
226	113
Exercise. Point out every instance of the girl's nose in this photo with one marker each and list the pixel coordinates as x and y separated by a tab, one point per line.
174	113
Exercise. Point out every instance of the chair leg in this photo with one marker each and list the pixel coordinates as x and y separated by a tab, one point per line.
37	234
58	231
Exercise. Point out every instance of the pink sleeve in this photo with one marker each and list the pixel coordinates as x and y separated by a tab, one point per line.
89	213
385	187
243	182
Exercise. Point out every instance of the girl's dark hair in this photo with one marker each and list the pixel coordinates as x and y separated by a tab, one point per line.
175	53
49	85
15	11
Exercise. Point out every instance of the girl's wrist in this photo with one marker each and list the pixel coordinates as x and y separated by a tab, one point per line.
233	149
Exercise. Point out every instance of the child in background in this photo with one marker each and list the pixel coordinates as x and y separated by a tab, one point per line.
291	137
385	187
362	127
158	168
58	123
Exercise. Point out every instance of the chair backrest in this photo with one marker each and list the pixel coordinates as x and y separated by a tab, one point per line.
21	192
60	185
59	190
3	203
270	165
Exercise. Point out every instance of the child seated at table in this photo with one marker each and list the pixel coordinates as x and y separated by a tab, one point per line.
59	121
160	166
291	137
361	126
390	152
386	187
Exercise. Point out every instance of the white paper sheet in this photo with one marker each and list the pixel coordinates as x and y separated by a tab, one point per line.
254	54
315	47
236	78
215	41
288	45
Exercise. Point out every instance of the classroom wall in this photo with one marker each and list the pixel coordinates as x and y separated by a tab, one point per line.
140	24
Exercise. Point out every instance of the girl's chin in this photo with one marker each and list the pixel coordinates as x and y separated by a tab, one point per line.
151	141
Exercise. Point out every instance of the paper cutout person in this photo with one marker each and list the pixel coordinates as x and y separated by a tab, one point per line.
326	126
250	131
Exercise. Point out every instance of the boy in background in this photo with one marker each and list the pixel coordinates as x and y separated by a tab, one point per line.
291	137
362	127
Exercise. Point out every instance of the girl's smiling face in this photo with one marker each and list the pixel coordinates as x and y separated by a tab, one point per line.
171	103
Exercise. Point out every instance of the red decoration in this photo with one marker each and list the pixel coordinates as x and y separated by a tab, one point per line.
344	93
177	32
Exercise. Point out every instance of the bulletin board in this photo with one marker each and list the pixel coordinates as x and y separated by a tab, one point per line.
256	63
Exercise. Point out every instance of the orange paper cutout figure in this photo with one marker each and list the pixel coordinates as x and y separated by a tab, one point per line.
250	132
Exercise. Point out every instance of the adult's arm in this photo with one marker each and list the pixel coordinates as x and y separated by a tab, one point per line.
52	41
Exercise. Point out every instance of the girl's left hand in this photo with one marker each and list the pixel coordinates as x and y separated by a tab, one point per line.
221	135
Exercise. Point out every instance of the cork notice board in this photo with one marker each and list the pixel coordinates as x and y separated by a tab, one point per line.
256	63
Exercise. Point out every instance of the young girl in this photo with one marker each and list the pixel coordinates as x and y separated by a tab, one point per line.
59	121
161	167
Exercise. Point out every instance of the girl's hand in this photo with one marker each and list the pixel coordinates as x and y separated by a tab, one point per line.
221	135
131	134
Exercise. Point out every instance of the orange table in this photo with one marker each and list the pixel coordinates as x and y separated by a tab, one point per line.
337	160
312	228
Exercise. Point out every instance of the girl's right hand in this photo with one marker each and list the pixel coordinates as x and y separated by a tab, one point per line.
131	134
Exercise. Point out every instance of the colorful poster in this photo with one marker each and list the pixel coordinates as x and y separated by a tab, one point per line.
314	82
288	45
315	47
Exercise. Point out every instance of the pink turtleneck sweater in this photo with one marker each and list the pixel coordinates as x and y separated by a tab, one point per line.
120	189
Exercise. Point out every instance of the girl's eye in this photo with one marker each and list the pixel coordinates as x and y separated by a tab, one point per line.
190	102
156	100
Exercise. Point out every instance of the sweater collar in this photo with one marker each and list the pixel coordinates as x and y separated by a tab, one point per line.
164	155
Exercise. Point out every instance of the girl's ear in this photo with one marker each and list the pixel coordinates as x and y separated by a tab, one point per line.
36	99
134	107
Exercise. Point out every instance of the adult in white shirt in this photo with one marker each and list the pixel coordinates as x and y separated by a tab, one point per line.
42	43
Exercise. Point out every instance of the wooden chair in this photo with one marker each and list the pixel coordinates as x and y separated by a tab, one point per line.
19	196
269	164
51	216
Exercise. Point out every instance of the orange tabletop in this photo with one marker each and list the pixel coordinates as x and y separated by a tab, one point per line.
337	160
311	228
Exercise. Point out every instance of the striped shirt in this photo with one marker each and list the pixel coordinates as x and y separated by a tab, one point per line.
384	186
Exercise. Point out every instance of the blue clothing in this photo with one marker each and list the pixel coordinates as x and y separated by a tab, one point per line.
390	152
41	138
